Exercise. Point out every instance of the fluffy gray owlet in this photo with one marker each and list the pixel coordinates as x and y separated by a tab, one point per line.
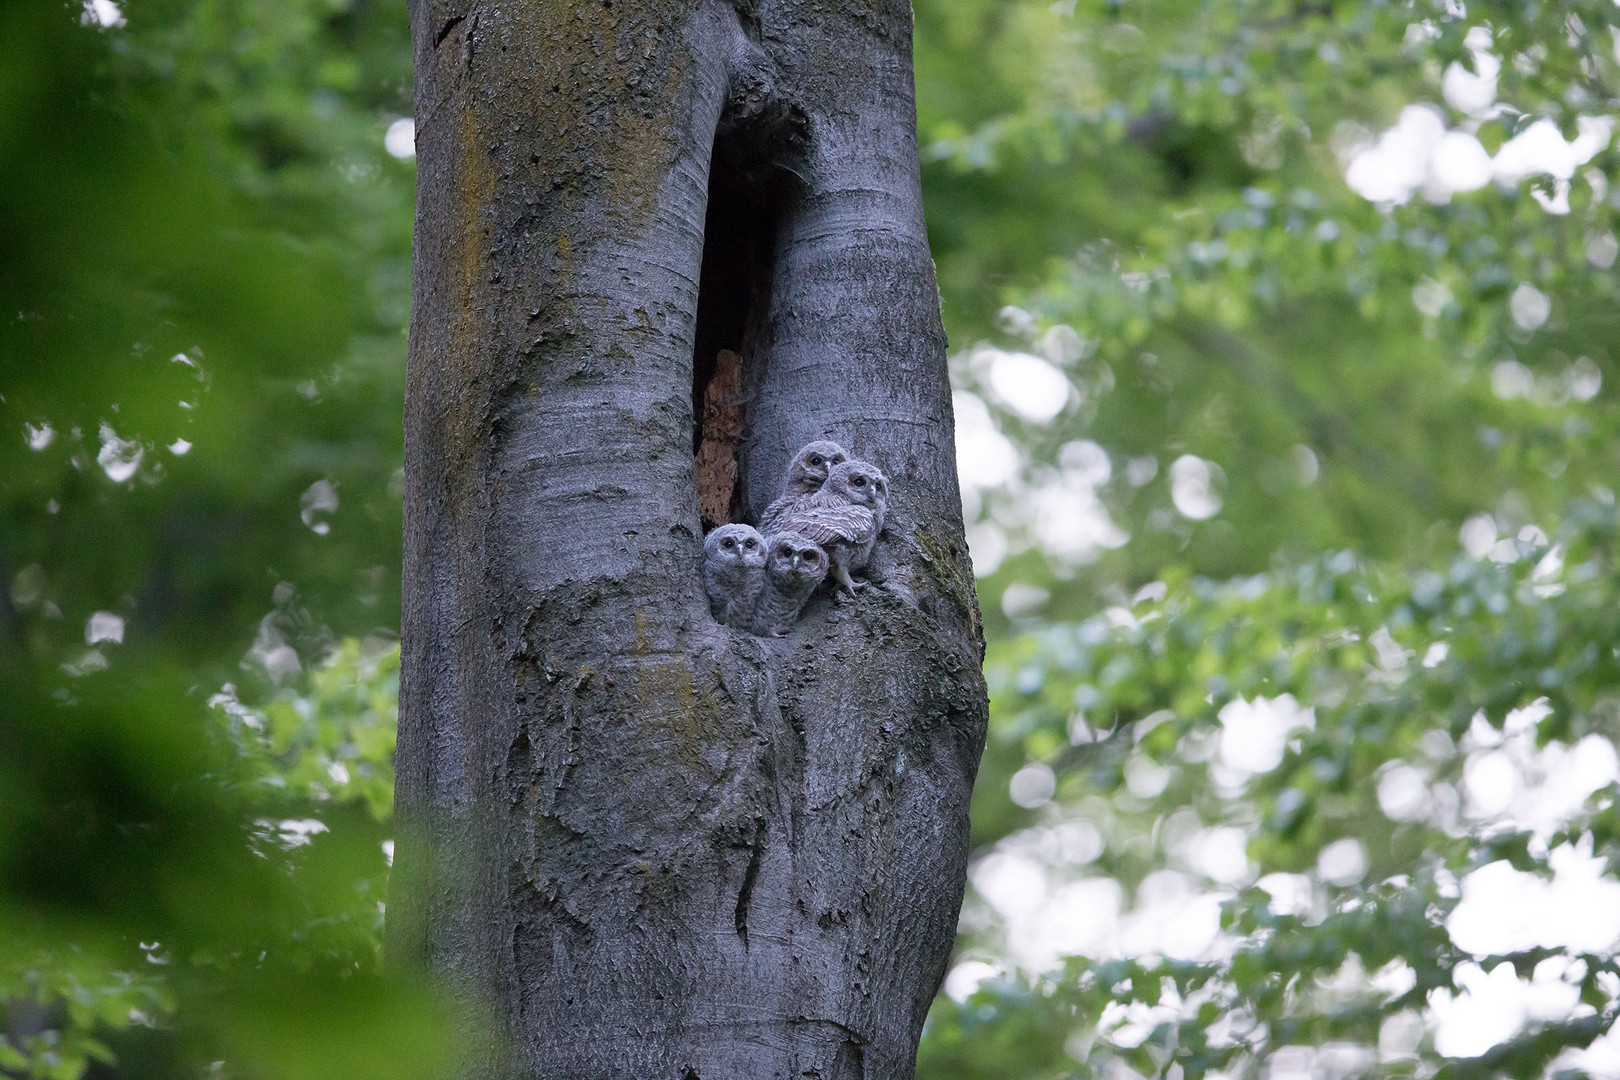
844	517
794	566
806	473
733	571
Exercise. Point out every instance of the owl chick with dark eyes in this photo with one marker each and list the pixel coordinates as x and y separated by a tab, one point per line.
733	572
805	475
844	517
794	566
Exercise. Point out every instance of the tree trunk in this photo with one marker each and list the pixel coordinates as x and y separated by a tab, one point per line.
644	844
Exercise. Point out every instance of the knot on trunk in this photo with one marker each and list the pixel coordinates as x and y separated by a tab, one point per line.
761	125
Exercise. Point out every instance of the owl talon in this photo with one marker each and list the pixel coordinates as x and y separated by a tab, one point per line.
847	583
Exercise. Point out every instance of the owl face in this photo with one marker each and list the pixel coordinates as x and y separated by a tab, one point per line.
811	465
734	545
794	558
860	484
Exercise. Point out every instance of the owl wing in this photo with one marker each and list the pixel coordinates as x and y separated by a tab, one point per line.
831	524
774	513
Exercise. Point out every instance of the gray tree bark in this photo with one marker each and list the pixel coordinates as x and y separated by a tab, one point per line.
644	844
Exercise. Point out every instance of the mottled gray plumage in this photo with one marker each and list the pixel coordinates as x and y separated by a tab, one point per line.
733	571
844	517
805	475
794	566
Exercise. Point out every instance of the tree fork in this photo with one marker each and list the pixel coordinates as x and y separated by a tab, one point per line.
646	845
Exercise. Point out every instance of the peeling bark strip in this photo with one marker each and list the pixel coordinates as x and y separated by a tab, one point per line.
648	846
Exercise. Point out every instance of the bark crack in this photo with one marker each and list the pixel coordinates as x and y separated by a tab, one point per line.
745	896
850	1034
850	1064
444	31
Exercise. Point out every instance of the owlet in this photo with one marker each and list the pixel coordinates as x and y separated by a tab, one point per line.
733	571
844	517
794	566
806	473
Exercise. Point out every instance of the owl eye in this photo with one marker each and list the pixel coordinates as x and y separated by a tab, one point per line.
812	557
750	543
859	481
728	543
784	551
816	459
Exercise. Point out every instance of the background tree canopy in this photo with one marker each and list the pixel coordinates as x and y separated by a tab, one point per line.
1286	424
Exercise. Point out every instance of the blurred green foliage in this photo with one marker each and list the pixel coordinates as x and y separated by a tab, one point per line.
205	289
1355	638
1167	183
1151	197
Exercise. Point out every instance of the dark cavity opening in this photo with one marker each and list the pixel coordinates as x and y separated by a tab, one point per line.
739	240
